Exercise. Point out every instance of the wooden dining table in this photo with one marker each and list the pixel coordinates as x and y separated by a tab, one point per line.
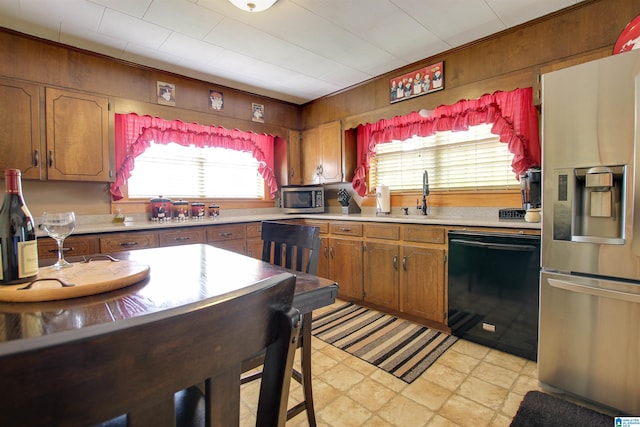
181	280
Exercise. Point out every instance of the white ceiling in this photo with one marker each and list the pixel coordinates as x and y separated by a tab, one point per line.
297	51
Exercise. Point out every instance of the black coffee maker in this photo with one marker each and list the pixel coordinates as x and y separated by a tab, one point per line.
530	187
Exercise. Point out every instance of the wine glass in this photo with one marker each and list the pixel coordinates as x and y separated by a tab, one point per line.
58	226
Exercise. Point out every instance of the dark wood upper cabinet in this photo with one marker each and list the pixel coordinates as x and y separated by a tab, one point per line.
71	141
77	136
20	134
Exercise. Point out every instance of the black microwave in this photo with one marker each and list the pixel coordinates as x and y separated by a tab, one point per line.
302	198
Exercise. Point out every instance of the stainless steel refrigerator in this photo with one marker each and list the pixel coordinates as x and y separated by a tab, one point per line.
589	331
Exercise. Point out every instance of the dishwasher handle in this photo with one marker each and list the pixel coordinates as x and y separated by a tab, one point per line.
598	292
498	246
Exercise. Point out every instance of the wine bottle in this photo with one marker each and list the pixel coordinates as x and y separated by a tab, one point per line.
18	245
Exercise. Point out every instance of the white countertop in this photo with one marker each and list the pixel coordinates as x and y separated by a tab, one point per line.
88	224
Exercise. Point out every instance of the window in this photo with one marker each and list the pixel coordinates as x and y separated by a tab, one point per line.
177	171
470	160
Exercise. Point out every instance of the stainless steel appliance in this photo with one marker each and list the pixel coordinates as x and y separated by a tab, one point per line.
530	188
493	290
302	199
589	342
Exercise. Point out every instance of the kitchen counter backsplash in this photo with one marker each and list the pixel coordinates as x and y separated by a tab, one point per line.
471	216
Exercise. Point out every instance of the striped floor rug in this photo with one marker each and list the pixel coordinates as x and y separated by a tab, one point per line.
400	347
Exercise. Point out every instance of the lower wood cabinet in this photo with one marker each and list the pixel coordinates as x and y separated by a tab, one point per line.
181	236
381	274
341	257
381	268
243	238
341	260
118	242
254	240
422	282
73	246
405	278
324	258
399	267
228	236
345	266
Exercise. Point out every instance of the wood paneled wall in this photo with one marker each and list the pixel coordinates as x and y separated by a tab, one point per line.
132	88
510	59
504	61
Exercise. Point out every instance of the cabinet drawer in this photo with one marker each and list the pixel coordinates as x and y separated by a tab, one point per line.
220	233
74	245
127	241
254	230
346	228
423	233
181	236
322	225
237	245
382	231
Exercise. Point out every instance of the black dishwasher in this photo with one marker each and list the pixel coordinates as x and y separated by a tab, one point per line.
493	290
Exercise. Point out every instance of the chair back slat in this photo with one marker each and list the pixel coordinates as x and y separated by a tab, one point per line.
293	246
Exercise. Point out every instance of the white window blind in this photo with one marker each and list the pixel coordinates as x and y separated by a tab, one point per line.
176	171
470	160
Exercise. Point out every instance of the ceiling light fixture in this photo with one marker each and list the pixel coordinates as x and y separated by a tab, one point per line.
253	6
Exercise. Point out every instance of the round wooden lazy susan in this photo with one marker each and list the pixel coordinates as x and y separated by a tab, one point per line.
82	279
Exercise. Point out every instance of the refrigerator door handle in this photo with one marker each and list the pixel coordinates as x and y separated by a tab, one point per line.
599	292
635	189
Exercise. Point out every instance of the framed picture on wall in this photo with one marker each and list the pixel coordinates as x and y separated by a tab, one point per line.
166	93
257	112
416	83
216	100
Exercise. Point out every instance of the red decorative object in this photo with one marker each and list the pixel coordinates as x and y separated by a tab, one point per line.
513	115
425	80
133	135
629	38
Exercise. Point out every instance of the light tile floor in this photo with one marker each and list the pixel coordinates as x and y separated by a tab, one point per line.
469	385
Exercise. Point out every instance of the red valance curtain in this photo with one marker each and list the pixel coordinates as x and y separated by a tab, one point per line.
513	115
134	134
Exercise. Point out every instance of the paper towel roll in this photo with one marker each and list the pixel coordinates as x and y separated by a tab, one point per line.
383	199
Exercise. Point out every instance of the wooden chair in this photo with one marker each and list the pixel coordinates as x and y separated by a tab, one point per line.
137	370
296	247
292	246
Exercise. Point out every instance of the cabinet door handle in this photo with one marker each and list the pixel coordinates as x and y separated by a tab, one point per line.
225	234
395	262
331	252
292	172
325	252
36	157
345	229
128	244
181	238
50	158
404	263
55	251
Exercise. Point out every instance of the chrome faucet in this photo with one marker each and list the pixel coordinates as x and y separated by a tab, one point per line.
425	193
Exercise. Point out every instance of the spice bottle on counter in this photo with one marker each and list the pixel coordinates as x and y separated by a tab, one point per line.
118	218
